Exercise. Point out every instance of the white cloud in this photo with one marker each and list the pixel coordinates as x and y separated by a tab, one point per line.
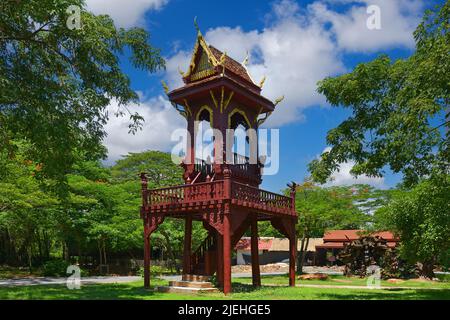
398	20
298	48
180	61
125	13
343	177
161	120
294	55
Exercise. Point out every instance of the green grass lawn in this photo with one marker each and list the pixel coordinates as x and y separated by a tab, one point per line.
347	281
242	291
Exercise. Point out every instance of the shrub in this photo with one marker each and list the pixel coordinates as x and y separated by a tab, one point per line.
55	268
58	268
154	270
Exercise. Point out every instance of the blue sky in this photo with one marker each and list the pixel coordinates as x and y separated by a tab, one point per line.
293	43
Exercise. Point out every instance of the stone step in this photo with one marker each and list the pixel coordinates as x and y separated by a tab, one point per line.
195	278
185	290
191	284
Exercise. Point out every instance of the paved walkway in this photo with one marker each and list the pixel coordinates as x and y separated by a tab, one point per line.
330	286
94	280
52	280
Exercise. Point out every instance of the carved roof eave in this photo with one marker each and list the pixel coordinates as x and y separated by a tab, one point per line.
177	95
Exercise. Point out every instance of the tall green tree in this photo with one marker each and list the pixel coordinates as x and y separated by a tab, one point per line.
321	209
56	80
161	172
421	218
27	211
399	110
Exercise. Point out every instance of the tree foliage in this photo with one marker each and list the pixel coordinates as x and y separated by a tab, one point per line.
56	82
399	110
421	219
98	218
321	209
327	208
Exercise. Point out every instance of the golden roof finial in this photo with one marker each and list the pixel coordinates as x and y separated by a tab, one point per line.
222	58
246	60
165	86
199	33
181	72
278	100
261	83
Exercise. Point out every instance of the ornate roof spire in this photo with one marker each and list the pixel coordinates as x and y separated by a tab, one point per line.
199	33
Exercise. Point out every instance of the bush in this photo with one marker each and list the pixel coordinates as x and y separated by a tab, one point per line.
57	268
154	270
367	251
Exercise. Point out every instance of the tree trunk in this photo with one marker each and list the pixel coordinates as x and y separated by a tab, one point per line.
66	251
104	252
305	251
427	269
170	252
100	261
299	256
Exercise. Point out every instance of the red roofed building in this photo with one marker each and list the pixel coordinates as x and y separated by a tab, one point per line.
272	250
334	241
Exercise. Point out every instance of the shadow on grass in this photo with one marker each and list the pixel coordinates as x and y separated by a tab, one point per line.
390	294
135	291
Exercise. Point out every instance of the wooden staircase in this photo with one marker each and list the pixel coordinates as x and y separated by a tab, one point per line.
203	265
203	260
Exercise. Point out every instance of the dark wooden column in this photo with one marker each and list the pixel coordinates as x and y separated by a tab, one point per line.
255	253
292	257
220	260
226	255
146	258
145	218
187	245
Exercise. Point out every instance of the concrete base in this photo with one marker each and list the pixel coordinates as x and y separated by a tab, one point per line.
186	290
190	283
195	278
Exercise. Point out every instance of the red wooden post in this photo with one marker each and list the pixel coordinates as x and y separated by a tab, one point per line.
292	257
187	245
226	233
226	254
255	253
145	217
293	187
146	259
220	260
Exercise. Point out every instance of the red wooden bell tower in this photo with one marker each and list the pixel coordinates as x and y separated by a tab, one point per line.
222	192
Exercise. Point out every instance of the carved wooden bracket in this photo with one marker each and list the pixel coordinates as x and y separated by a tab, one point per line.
215	220
285	225
152	221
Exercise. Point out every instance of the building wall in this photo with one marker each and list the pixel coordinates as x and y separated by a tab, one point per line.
244	257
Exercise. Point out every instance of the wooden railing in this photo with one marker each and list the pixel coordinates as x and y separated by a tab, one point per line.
215	191
240	159
203	166
187	193
247	193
